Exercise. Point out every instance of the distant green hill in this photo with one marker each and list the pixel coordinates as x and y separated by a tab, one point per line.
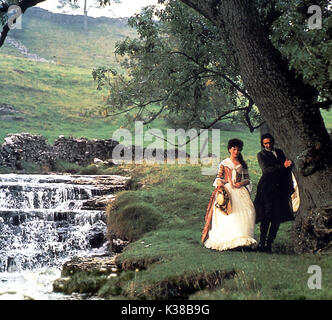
58	98
61	37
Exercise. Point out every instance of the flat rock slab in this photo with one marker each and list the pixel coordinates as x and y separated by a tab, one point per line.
96	265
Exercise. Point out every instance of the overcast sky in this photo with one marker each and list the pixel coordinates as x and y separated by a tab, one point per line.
124	9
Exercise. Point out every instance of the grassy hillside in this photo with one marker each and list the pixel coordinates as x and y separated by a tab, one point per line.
53	99
58	98
61	38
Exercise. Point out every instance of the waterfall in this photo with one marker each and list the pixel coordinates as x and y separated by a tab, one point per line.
46	220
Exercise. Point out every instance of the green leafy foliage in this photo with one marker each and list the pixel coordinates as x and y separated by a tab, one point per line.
179	67
182	69
308	51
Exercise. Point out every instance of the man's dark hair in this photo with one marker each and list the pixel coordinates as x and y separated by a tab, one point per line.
267	136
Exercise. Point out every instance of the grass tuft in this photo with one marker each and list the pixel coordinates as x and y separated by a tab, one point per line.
129	218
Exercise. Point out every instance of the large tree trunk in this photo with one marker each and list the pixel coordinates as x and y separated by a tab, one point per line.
288	106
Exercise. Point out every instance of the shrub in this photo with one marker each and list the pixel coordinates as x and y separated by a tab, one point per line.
129	217
29	167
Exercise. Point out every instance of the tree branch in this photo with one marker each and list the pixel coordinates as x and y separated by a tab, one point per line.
230	81
155	115
123	111
326	105
204	128
223	115
247	117
24	5
204	7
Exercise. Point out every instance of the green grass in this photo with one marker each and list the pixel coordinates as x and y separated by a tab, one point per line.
61	98
68	44
129	218
181	193
327	116
171	262
53	100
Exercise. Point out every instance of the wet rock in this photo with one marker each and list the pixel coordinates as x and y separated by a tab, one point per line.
98	203
96	235
96	265
117	245
60	284
48	213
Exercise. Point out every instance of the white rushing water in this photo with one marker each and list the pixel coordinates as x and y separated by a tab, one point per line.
42	225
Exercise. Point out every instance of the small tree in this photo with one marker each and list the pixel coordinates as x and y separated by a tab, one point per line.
73	5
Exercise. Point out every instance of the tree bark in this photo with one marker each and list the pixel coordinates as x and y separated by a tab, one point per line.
85	17
287	104
24	5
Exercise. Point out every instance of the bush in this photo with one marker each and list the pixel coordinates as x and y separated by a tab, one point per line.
129	218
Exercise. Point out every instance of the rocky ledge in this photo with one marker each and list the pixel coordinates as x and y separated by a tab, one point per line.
97	265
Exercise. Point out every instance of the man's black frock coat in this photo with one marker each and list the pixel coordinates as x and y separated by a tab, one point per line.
274	189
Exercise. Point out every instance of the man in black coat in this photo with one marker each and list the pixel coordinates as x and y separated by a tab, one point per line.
274	190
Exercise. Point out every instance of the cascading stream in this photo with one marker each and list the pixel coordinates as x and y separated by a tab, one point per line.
46	220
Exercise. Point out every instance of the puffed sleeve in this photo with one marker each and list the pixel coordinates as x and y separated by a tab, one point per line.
245	176
220	175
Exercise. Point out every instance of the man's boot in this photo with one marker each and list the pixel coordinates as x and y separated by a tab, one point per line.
262	238
268	247
272	235
261	245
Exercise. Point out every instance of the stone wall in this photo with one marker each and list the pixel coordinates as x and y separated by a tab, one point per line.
82	151
24	146
34	148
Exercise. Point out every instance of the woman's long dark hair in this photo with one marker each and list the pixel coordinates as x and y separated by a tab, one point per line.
239	144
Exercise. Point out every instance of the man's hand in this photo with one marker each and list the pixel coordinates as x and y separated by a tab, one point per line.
287	163
237	185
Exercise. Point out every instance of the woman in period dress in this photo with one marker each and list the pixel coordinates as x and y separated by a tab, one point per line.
224	230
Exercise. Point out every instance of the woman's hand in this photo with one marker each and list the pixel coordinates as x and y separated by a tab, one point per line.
219	183
237	185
